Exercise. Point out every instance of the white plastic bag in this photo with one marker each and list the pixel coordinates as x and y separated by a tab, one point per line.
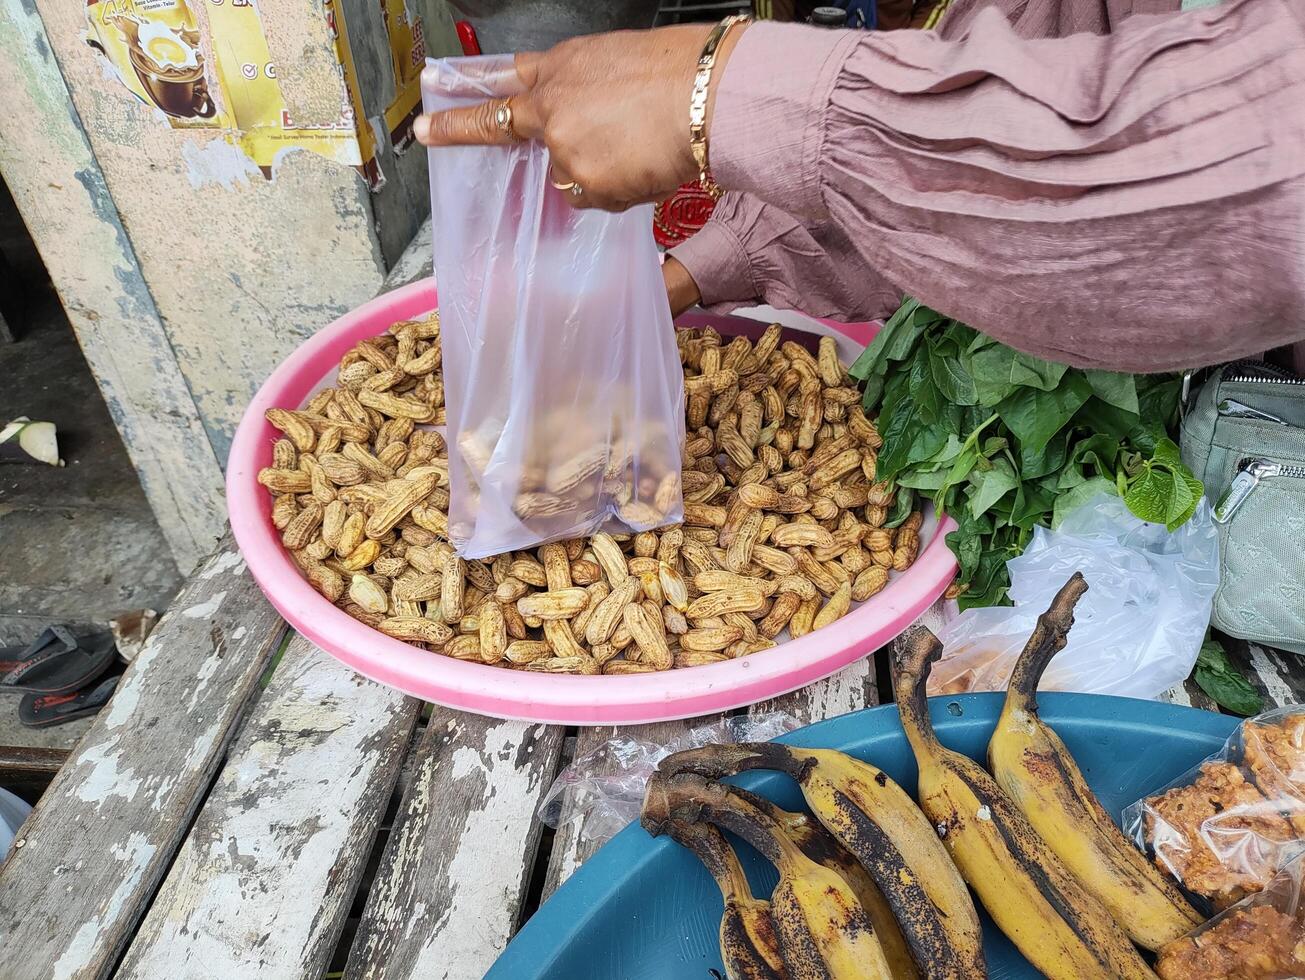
563	383
602	790
1136	632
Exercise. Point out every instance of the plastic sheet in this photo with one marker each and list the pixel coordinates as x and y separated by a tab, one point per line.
602	790
1138	629
1225	827
563	383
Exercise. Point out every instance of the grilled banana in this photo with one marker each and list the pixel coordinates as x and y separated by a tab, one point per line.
819	845
1058	926
748	944
824	934
876	821
1035	769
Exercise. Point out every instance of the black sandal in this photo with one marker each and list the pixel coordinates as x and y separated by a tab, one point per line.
56	662
47	710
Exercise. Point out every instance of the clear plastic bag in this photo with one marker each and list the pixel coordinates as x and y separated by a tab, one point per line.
1225	827
563	383
1138	629
1261	936
602	790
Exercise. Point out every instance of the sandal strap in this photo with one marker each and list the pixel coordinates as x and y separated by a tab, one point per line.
53	641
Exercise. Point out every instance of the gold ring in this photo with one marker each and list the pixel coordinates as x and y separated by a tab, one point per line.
569	185
503	120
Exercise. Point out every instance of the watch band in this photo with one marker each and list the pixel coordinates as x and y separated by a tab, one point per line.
698	99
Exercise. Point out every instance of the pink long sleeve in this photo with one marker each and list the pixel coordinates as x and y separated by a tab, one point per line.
1133	201
751	252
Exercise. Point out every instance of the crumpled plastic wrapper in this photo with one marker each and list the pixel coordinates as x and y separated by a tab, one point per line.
601	791
1136	632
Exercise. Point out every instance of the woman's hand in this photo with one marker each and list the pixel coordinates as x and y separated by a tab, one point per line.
613	110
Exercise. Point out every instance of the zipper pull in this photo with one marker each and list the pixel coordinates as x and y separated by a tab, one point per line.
1249	475
1231	408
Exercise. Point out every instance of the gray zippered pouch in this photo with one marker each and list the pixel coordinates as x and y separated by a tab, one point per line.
1244	436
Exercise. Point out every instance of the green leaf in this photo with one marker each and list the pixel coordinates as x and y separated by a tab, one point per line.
930	480
1050	458
1167	454
991	486
1114	388
968	549
908	438
1217	677
902	507
892	343
924	391
1195	489
1150	495
1033	506
998	370
1106	419
952	379
1035	415
1079	495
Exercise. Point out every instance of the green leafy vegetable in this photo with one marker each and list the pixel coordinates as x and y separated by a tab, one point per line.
1004	442
1217	677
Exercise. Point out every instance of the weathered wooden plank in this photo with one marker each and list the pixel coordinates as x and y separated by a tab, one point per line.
1189	694
61	192
459	859
1278	676
264	882
96	846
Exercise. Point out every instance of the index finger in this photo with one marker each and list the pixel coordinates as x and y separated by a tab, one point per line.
478	125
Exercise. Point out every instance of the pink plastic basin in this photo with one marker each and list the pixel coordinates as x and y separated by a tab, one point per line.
495	691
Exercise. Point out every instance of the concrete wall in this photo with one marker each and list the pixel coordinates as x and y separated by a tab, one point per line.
187	273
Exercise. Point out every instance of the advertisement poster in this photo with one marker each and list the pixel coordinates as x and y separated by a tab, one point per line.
215	72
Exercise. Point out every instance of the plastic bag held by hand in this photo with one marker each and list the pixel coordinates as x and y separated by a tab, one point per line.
564	390
1138	629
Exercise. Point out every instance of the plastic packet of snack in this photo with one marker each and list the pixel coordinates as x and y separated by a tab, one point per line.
1225	827
1263	935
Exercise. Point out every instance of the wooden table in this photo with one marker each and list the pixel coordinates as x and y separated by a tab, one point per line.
248	807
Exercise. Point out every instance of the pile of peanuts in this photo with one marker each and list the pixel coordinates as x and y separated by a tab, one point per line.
783	523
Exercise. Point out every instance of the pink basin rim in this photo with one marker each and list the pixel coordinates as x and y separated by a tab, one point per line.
547	698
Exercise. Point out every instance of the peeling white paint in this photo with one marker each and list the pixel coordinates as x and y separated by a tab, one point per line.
136	851
205	610
238	633
101	778
228	561
1270	673
477	923
275	858
124	702
218	162
1176	695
